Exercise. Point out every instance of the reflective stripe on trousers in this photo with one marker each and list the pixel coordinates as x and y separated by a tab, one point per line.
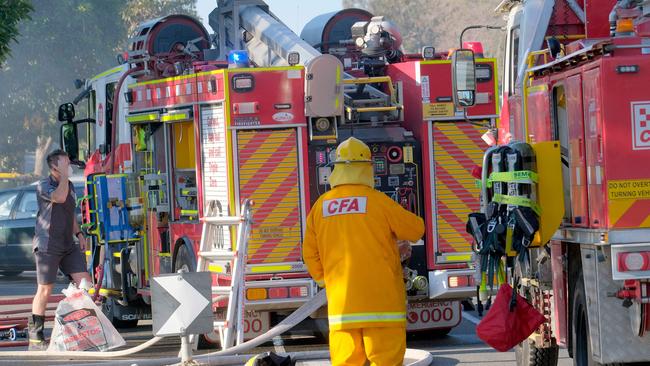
381	317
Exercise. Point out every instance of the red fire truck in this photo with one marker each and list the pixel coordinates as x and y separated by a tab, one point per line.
576	74
183	124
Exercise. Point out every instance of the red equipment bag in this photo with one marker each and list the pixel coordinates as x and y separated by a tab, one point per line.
511	320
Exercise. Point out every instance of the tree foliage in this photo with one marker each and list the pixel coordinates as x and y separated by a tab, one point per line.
12	12
439	23
64	41
136	11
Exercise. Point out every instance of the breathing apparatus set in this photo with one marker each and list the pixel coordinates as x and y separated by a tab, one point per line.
521	208
509	217
522	205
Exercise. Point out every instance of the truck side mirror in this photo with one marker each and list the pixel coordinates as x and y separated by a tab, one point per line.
70	140
463	78
66	112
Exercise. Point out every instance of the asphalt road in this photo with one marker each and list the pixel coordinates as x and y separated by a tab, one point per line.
461	347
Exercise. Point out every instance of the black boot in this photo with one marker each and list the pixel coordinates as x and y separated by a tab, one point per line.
36	338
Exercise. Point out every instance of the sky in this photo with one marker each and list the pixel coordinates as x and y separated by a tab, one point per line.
294	13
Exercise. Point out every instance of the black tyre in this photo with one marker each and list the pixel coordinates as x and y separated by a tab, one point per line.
109	308
580	328
529	355
125	324
10	273
438	333
322	330
428	334
185	261
209	341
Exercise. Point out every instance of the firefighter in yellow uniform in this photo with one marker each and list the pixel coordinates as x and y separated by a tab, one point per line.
350	249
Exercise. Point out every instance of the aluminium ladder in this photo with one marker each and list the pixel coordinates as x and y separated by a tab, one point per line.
214	250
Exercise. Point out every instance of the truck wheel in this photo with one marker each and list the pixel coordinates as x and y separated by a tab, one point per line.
184	261
438	333
125	324
427	334
529	355
321	330
109	309
209	341
580	328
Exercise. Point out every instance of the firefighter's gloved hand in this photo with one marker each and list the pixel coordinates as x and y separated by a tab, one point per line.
405	250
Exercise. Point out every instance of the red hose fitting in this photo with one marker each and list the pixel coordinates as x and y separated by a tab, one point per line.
99	276
631	290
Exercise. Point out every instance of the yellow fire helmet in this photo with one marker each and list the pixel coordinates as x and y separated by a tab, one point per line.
353	164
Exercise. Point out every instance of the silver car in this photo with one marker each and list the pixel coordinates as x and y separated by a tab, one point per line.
18	209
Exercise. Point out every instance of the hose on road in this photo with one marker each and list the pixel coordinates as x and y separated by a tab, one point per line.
80	354
230	356
289	322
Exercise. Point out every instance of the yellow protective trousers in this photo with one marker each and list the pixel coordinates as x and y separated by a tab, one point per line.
382	346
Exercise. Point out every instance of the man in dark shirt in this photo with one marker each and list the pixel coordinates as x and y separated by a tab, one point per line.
53	243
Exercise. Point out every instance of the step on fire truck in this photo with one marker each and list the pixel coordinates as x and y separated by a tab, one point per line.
191	121
577	75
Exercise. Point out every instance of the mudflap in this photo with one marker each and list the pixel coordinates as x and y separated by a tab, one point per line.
135	310
610	333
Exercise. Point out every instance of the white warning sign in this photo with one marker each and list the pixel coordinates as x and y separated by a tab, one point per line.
641	125
424	84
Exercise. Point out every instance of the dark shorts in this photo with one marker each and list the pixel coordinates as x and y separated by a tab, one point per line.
47	264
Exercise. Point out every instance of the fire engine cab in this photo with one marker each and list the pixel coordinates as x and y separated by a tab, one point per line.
192	121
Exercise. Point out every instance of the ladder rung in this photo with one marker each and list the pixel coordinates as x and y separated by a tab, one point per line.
373	109
219	267
218	256
221	290
368	80
220	259
222	220
370	100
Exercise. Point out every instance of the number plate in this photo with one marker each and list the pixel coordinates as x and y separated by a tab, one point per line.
255	322
432	314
